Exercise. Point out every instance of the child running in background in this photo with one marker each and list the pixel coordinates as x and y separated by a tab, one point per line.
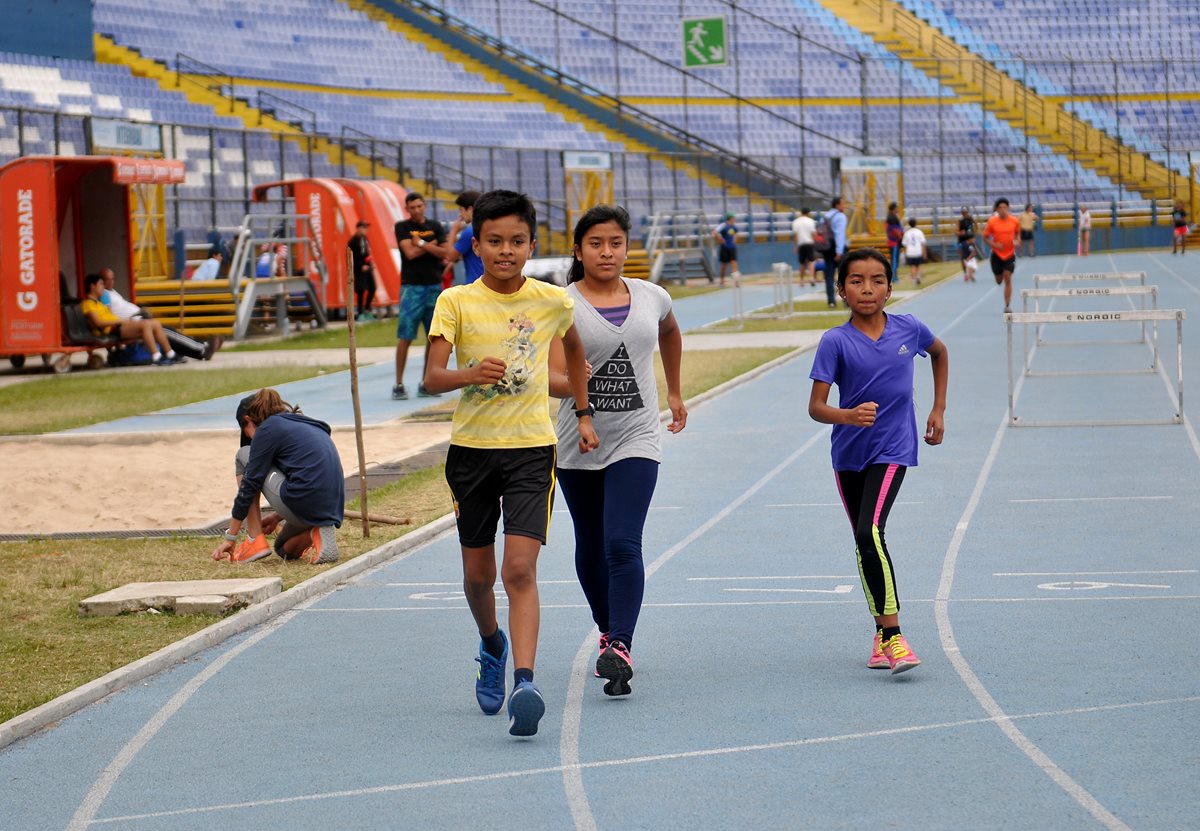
914	250
970	263
502	443
870	359
608	491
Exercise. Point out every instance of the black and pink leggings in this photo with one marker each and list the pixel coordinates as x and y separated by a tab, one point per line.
868	496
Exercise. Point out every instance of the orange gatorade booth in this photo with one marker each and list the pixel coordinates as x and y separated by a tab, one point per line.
329	216
67	215
381	204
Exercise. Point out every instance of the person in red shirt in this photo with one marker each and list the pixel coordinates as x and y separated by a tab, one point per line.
1001	233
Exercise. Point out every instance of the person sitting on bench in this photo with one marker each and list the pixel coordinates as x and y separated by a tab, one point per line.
104	323
112	298
291	460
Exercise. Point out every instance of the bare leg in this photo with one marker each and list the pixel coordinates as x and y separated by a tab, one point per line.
1007	289
519	571
401	359
479	585
160	336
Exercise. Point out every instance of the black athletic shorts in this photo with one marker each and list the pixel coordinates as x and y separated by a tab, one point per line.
726	254
1027	235
999	266
805	254
517	482
914	260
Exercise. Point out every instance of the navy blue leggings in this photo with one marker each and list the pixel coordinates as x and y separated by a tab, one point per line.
608	508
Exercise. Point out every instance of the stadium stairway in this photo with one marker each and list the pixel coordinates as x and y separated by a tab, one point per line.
526	83
975	79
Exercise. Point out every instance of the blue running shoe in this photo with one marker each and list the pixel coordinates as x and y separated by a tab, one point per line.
525	709
489	682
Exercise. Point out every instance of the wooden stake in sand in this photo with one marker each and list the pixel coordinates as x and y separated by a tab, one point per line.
358	432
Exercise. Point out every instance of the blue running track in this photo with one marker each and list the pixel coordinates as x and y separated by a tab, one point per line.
1048	579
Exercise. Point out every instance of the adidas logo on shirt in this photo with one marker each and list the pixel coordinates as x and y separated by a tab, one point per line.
903	350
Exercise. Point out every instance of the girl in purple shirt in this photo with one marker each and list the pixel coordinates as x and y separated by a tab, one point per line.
870	359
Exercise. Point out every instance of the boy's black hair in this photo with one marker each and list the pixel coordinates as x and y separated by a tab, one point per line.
596	216
91	280
833	203
805	210
413	196
499	203
998	202
862	254
912	222
467	199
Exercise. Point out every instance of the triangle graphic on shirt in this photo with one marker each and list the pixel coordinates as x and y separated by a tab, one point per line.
613	386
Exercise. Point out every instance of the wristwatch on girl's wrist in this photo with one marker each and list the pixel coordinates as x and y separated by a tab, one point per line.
589	410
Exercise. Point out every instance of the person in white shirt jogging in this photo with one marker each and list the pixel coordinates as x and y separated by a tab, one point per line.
914	249
803	227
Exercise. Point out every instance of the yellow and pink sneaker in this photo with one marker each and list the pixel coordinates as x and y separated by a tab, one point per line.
899	655
878	660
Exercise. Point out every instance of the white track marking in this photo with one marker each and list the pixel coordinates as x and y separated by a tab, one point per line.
780	577
699	604
103	785
961	666
643	760
1091	499
577	801
842	589
1091	573
825	504
941	609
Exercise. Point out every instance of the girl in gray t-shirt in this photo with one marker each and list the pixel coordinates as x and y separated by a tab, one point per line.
608	490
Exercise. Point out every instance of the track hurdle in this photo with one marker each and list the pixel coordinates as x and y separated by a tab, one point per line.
1134	316
1138	277
1036	295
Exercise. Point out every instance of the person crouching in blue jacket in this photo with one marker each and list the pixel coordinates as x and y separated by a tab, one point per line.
291	460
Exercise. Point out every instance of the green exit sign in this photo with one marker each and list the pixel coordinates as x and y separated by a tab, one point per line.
704	42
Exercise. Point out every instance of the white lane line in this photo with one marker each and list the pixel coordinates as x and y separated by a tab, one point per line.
701	604
1092	573
826	504
458	583
777	577
941	609
643	760
568	747
1092	499
86	813
842	589
1162	372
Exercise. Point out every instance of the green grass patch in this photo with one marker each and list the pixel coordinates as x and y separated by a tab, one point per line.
377	333
47	405
47	649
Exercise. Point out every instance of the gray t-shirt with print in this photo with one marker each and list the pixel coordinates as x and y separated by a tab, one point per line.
622	387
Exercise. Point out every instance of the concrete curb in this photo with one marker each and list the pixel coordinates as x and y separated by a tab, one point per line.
52	711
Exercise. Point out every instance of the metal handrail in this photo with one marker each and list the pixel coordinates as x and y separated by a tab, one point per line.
622	108
276	103
196	67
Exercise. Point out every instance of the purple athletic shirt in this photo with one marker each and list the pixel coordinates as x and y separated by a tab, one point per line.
879	371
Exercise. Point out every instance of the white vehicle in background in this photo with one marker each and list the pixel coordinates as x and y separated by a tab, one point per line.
549	269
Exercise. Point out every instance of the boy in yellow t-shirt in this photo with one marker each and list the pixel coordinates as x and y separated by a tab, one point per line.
502	442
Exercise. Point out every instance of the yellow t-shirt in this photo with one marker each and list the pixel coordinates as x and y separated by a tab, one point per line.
102	314
516	328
